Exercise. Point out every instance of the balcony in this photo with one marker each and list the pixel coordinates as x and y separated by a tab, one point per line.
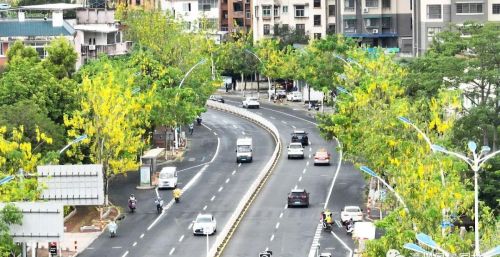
93	51
238	14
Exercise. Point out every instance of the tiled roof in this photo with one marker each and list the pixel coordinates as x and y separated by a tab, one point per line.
31	28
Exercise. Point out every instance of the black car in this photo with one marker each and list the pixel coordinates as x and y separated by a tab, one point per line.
298	197
217	98
300	136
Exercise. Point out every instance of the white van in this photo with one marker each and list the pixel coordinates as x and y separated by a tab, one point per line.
244	149
168	177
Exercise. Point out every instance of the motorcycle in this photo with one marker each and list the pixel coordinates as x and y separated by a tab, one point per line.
327	226
177	199
349	229
132	205
112	229
159	206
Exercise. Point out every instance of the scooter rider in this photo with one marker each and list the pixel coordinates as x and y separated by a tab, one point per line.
112	226
159	204
177	194
132	202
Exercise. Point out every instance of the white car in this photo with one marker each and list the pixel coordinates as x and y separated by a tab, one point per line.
251	102
204	224
295	150
294	96
4	6
351	212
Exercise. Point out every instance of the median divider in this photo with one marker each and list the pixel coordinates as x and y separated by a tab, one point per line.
231	226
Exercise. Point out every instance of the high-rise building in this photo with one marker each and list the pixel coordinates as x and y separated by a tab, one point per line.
235	15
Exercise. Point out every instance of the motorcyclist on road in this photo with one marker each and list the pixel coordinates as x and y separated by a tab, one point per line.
328	217
177	194
191	128
112	226
159	204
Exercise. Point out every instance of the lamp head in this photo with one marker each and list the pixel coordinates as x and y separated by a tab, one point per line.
472	146
368	171
437	148
343	90
485	149
404	119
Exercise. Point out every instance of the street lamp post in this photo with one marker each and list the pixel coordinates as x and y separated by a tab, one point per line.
268	79
427	241
76	140
475	164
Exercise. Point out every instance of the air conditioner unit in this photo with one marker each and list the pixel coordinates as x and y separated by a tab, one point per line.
365	10
92	47
375	31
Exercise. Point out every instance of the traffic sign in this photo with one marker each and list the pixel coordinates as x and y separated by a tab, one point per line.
53	248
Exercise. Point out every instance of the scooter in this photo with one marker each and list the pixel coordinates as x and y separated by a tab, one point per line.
112	229
132	205
177	199
327	226
349	228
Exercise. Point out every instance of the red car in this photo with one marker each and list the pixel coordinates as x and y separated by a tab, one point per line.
321	157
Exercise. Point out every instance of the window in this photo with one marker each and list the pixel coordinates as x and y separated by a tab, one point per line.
285	8
431	32
137	2
434	11
237	7
350	26
317	20
224	15
186	7
317	35
349	4
317	3
267	29
300	28
386	3
470	8
331	29
276	11
266	11
299	11
256	11
386	22
371	3
372	22
1	49
496	8
331	10
206	5
248	15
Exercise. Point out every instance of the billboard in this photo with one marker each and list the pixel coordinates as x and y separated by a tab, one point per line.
72	184
42	222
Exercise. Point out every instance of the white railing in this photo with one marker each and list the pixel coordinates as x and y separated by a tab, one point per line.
232	224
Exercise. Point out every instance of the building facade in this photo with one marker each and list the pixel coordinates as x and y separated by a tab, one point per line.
235	15
434	16
195	14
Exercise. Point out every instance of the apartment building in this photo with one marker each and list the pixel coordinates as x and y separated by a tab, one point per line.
433	16
384	23
194	13
235	15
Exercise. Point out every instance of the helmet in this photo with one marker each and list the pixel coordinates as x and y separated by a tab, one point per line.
132	195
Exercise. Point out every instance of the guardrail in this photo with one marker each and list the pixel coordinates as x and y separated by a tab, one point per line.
227	232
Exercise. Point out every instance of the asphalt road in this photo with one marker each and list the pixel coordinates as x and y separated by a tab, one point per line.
269	224
215	187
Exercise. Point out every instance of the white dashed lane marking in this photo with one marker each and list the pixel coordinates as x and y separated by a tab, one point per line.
212	199
272	238
181	238
171	251
227	180
234	171
142	235
277	225
125	254
220	189
134	244
281	215
204	208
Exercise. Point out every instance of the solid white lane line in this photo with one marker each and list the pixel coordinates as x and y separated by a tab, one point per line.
171	251
181	238
190	226
134	244
216	150
300	178
234	171
204	208
277	225
125	254
343	243
142	235
212	199
272	238
227	180
220	188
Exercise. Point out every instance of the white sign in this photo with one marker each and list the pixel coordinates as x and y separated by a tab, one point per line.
42	222
72	184
145	175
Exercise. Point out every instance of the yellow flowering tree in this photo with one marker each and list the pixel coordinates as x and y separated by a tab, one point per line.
113	116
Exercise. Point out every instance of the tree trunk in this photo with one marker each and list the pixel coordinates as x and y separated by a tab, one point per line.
258	84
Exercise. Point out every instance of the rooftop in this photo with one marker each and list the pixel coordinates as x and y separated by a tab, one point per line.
51	7
32	28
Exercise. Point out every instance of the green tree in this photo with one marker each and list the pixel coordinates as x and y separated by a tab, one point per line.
19	51
61	58
9	215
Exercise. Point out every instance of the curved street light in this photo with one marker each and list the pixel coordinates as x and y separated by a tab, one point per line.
76	140
268	79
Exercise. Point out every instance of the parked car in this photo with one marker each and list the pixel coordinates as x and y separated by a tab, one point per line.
217	98
251	102
298	197
4	6
351	212
300	136
294	96
321	157
204	224
295	150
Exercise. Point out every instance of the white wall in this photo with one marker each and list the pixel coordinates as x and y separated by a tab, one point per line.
491	16
423	9
181	10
